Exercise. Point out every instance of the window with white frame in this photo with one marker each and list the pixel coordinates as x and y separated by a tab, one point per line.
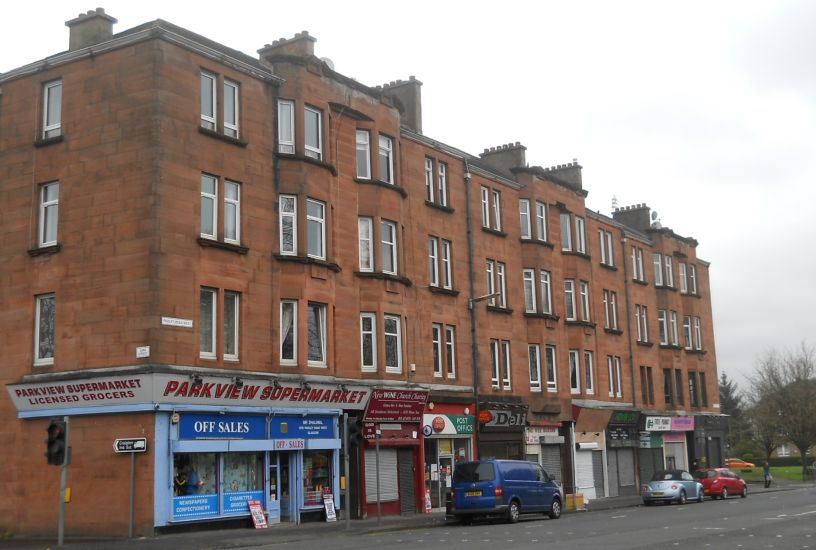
552	380
501	285
231	115
663	327
566	231
429	180
534	358
316	334
287	218
580	235
610	303
209	111
524	218
505	348
450	351
208	304
232	212
386	159
436	340
784	450
365	230
541	221
583	288
316	228
286	126
529	291
642	323
500	361
433	260
687	338
439	262
490	280
681	267
232	310
496	209
637	264
52	109
368	342
485	194
209	206
392	330
49	214
692	279
607	252
288	332
610	374
569	300
388	239
618	378
589	372
668	261
698	334
45	329
496	283
673	328
575	371
313	132
363	146
546	291
442	183
657	261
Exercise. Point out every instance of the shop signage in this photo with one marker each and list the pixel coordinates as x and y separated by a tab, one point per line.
682	423
658	423
533	434
195	506
237	502
650	441
447	424
257	512
301	427
396	405
502	418
624	418
220	426
290	444
328	507
179	389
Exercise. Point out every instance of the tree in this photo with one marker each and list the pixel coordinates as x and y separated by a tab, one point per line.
732	404
783	395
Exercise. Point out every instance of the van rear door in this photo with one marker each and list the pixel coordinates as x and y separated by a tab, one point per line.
475	485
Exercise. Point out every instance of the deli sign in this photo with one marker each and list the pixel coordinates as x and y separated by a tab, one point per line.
502	418
387	405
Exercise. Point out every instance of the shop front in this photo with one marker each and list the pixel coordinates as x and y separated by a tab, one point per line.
447	439
622	442
391	432
544	445
710	431
675	432
501	430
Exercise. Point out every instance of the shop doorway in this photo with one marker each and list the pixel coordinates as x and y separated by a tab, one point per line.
280	486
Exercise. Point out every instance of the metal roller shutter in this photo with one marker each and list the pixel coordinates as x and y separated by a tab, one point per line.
597	472
389	478
551	461
407	494
612	460
677	452
584	478
626	472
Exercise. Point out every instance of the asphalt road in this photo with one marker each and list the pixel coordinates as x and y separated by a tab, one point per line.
782	520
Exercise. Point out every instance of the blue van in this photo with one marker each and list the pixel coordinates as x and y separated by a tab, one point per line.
506	488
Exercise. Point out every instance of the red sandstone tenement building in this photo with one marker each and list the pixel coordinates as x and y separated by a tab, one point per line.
224	255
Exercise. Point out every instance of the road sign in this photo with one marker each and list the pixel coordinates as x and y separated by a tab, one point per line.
130	445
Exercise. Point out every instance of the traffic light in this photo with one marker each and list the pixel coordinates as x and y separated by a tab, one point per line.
56	448
354	431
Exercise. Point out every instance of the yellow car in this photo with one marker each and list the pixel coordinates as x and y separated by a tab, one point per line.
737	463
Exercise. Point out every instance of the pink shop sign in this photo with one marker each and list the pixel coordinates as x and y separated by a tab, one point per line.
682	424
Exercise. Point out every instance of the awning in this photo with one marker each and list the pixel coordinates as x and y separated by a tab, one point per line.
591	420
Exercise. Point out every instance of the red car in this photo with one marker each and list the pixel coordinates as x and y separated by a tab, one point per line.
721	482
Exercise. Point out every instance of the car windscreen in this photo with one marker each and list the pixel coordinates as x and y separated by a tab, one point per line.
667	475
474	471
703	474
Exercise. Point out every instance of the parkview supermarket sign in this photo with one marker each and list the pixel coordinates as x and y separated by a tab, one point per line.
162	388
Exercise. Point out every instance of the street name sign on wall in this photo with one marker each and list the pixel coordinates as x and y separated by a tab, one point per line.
130	445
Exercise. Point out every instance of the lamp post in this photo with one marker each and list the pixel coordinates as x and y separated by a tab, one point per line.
474	352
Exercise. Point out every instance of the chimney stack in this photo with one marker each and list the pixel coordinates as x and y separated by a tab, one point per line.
408	96
90	28
301	45
636	216
506	157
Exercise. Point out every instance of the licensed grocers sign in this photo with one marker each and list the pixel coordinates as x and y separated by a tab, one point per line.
396	405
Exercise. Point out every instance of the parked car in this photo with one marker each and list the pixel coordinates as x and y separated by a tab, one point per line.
737	463
721	482
672	486
506	488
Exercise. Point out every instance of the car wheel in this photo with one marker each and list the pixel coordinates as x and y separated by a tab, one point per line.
682	498
744	492
555	509
513	512
724	494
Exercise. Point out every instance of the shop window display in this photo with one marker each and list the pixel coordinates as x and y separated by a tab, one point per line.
316	476
243	480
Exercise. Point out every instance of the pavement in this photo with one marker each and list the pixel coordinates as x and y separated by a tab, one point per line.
242	537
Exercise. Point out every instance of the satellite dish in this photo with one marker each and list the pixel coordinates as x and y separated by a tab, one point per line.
654	215
328	62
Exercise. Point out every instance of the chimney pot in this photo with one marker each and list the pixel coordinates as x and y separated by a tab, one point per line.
92	27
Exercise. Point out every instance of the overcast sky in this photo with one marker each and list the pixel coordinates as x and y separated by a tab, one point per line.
704	110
